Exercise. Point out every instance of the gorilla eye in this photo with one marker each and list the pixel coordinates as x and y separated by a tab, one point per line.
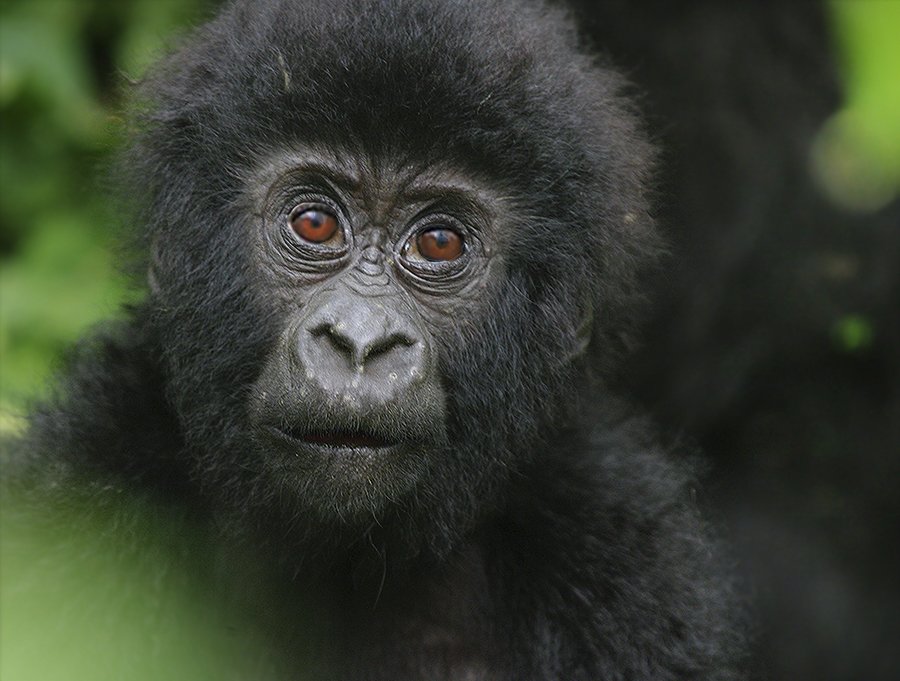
439	244
314	224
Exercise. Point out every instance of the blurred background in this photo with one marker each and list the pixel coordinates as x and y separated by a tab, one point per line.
775	343
65	69
66	65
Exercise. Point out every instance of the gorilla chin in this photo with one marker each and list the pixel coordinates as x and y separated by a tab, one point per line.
346	476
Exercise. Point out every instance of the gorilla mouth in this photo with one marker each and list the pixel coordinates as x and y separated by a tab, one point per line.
351	439
338	439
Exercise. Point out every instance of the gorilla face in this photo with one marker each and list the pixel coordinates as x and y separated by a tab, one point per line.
374	266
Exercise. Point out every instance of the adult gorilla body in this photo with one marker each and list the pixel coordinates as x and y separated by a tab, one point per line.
393	249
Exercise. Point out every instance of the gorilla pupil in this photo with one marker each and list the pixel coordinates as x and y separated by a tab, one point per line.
314	225
440	244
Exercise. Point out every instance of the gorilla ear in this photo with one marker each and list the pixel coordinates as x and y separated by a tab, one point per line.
152	280
152	283
585	327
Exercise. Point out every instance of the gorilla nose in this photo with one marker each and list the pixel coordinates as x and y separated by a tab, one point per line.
362	343
362	350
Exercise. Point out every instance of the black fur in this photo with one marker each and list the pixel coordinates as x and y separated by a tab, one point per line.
742	353
552	538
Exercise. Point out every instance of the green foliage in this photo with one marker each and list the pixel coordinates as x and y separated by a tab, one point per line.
857	156
65	66
106	589
853	333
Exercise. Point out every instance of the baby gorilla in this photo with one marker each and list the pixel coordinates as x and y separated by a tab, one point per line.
394	247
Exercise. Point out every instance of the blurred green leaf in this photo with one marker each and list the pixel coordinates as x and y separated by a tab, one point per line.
64	70
857	156
853	333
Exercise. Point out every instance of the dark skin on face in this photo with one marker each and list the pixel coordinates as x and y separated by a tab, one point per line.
371	265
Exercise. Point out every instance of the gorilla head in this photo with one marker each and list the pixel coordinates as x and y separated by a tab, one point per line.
390	243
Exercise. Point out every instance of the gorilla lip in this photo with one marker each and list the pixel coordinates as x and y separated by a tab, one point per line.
351	439
337	439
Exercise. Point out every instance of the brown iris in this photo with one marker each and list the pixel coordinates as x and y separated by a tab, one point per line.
314	224
439	244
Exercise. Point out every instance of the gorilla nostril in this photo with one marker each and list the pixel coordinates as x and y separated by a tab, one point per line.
334	333
383	345
361	344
